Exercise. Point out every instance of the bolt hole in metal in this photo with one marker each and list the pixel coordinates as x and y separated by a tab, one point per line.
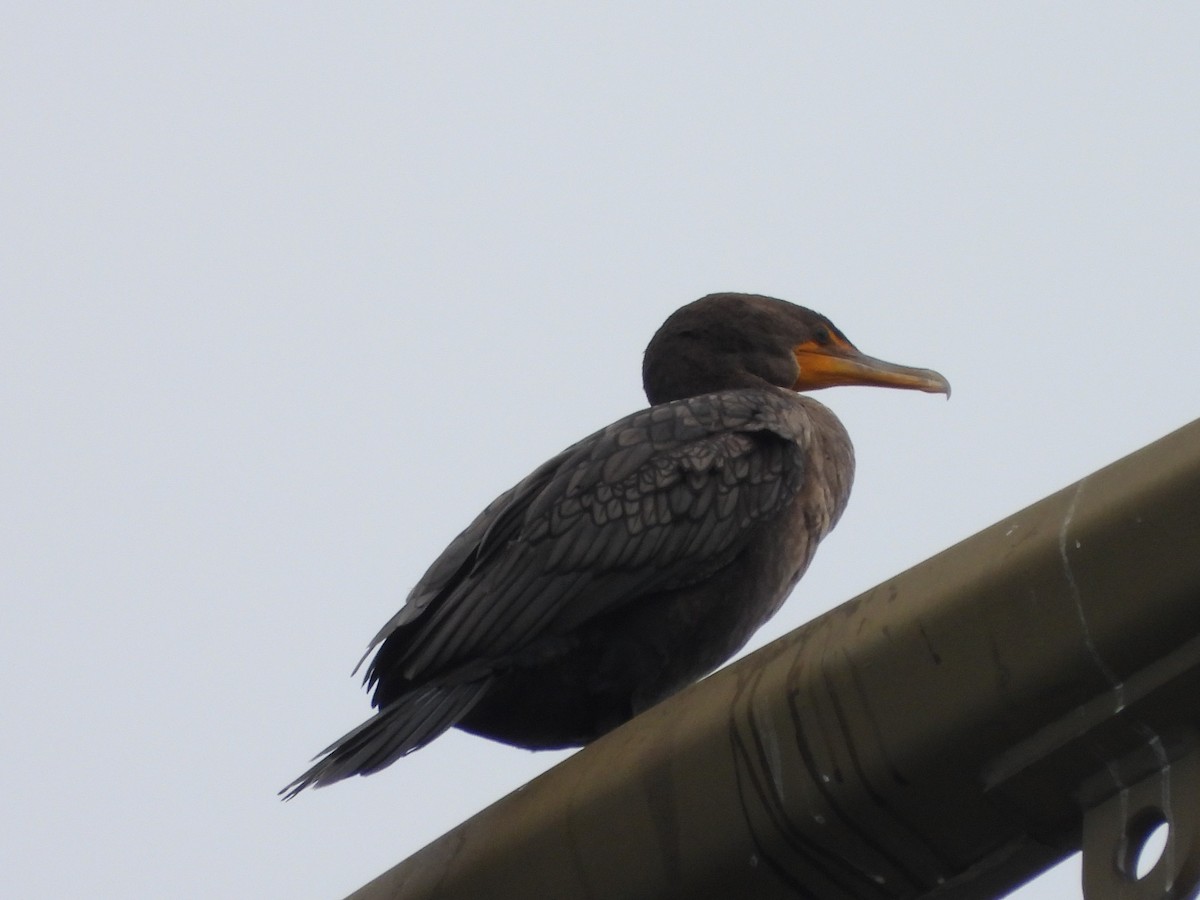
1145	840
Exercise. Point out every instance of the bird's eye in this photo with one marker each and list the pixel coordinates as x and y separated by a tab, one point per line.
822	336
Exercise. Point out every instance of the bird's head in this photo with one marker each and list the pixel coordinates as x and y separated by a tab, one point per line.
727	341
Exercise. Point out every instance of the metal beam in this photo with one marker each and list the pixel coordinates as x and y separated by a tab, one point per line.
945	735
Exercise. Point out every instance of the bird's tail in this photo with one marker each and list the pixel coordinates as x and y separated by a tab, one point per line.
398	729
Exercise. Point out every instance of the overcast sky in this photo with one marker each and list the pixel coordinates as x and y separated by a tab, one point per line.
289	292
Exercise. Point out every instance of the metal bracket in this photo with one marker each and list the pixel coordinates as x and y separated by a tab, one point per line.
1115	833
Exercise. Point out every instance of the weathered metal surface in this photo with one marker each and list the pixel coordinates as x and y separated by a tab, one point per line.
1115	829
941	736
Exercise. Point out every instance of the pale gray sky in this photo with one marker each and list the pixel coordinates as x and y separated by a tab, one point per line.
290	291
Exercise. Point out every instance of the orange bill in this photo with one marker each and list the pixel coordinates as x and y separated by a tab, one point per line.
839	362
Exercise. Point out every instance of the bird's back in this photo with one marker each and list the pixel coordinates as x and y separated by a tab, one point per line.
629	565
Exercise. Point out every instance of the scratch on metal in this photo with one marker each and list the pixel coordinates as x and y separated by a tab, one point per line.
1117	684
1160	755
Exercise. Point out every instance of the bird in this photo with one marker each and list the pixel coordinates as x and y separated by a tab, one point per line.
637	560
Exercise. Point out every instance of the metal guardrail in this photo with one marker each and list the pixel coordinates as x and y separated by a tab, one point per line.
950	733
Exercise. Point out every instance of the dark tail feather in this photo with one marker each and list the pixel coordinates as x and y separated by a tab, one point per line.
406	725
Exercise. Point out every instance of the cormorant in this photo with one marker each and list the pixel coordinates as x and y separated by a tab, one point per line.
637	560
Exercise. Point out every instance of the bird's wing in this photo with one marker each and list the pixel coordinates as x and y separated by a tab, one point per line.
656	500
492	528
